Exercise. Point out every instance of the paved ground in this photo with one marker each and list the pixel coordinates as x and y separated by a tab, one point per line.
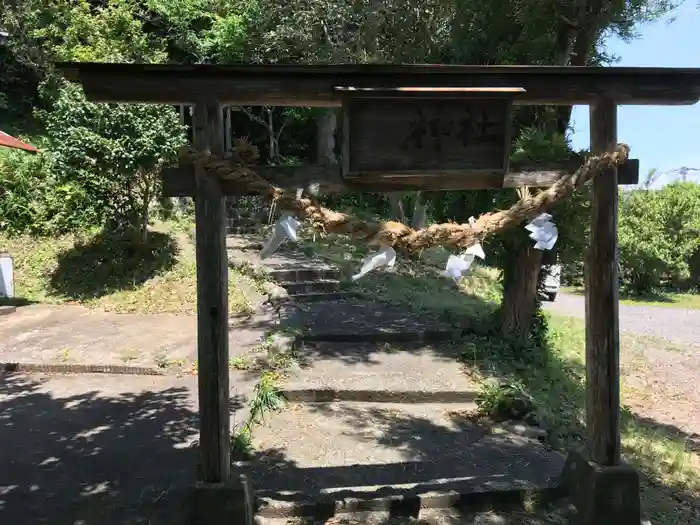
74	334
117	449
343	318
96	449
355	449
393	418
556	515
674	324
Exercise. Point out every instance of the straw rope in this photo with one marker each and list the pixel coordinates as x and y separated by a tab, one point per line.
398	235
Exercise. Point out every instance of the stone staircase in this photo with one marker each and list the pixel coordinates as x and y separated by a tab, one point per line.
303	278
309	281
378	416
379	430
379	424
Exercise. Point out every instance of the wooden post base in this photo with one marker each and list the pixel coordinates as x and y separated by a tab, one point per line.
602	495
222	503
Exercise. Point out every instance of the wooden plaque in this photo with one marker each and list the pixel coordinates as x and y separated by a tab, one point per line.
385	137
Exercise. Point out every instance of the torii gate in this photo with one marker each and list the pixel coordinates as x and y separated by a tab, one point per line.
604	490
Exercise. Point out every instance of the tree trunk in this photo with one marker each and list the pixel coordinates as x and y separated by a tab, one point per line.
396	207
273	149
520	292
420	211
523	268
326	126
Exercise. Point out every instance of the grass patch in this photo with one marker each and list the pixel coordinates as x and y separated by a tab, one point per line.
412	283
240	362
116	273
689	300
546	386
267	398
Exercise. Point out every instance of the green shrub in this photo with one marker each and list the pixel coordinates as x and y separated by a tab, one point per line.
660	237
33	200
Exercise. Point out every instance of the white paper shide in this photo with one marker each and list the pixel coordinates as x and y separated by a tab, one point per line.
385	257
458	265
285	228
543	232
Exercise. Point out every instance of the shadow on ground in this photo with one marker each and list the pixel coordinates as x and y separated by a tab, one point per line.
414	283
405	449
111	262
669	488
556	384
93	458
16	301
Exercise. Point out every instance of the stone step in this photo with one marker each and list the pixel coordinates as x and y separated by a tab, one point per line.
379	372
321	297
304	273
324	286
247	220
349	319
333	458
560	512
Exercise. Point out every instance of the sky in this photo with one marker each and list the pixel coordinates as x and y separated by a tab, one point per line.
661	137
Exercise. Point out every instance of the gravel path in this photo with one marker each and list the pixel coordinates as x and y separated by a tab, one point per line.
675	324
661	377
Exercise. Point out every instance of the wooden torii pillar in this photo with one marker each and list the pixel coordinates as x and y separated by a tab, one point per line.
602	302
212	301
604	490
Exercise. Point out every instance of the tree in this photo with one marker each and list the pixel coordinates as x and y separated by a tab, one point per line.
108	154
660	237
362	31
113	152
546	33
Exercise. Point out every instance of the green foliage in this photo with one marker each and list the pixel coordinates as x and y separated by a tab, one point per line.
199	30
19	90
101	161
535	382
267	398
92	161
113	152
533	146
30	200
323	31
660	237
100	166
506	401
107	32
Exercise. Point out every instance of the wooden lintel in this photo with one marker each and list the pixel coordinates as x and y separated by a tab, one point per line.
179	181
314	85
420	92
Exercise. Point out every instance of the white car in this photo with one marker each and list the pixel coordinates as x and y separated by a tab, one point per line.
552	281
